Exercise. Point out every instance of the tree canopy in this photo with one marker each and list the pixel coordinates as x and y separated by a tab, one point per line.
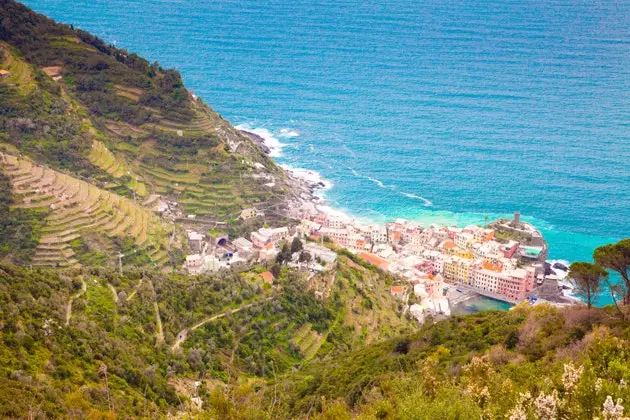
587	278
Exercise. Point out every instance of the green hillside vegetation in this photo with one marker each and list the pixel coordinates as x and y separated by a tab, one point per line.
91	136
109	116
262	352
155	334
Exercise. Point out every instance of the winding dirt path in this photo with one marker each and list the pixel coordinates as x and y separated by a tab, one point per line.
132	294
72	298
113	289
159	339
183	334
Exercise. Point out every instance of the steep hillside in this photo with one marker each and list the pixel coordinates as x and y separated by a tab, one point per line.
152	335
82	222
74	103
530	363
92	342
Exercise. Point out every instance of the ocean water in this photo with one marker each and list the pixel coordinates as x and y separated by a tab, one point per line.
478	304
447	111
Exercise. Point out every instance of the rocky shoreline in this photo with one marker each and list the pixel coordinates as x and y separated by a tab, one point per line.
307	183
258	141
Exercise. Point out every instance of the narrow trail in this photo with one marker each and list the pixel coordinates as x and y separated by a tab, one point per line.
113	289
132	294
72	298
159	339
158	323
183	334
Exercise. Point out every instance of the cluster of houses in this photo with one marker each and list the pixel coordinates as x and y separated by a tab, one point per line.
214	252
429	257
427	260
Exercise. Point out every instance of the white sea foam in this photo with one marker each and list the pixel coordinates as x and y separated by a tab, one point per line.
417	197
347	149
308	175
335	212
391	187
274	145
288	132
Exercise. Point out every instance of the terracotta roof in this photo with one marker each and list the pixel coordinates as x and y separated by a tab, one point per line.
373	259
492	267
397	289
52	71
448	245
267	277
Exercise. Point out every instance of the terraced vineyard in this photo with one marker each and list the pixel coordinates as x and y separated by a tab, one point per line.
78	209
103	158
21	75
307	340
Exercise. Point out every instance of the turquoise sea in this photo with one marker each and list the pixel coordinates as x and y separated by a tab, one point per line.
448	111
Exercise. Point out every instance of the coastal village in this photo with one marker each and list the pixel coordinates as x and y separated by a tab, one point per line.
435	267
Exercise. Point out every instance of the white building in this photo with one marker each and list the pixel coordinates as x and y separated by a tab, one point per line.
259	240
378	235
320	252
335	222
243	245
194	264
338	236
464	240
276	234
195	240
211	263
417	311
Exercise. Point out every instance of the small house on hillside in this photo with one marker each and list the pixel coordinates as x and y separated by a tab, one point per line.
195	240
54	72
4	74
249	213
397	291
267	277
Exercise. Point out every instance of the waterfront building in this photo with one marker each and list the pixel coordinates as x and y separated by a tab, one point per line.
464	239
334	222
378	235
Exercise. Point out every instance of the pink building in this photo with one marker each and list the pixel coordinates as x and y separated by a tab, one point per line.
509	249
517	283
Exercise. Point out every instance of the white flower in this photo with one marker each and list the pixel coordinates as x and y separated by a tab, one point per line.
547	406
598	384
622	384
571	376
612	410
518	413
